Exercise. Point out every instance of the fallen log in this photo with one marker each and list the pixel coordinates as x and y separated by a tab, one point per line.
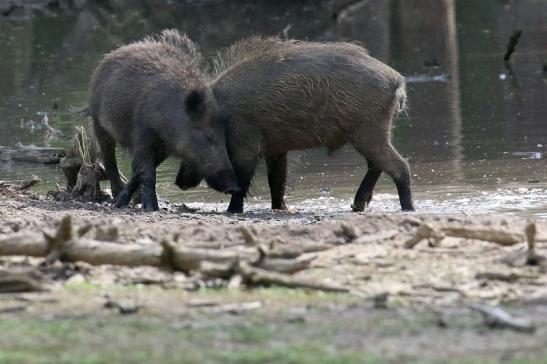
34	245
189	259
31	154
500	237
252	264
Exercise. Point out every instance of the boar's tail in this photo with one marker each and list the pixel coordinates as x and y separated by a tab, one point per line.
400	96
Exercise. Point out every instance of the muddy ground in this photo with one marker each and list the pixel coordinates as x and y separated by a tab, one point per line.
107	314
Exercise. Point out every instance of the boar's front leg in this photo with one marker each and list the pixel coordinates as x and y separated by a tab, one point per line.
365	191
148	154
124	197
277	178
244	172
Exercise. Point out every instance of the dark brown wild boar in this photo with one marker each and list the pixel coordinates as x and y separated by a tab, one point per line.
152	98
287	95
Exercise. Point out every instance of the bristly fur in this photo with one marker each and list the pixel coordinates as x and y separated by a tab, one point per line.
153	98
169	52
181	42
290	95
256	47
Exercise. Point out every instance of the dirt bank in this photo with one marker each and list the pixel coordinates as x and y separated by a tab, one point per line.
428	287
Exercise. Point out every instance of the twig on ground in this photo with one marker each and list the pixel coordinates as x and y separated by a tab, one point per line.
505	277
497	317
259	276
15	308
511	45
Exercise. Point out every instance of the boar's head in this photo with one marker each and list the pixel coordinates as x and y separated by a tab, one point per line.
202	144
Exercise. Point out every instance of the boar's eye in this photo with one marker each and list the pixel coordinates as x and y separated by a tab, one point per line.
195	102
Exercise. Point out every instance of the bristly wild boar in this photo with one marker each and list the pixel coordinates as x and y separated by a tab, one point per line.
152	98
288	95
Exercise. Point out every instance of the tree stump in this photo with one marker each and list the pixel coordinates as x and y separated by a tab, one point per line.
82	168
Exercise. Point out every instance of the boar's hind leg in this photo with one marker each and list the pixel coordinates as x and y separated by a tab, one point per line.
277	177
386	158
107	146
364	193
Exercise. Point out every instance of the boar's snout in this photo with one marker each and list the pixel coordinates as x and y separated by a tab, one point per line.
187	177
224	181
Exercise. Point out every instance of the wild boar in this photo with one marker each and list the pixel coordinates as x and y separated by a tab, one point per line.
288	95
153	98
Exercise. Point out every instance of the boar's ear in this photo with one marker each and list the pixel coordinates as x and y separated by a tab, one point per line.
195	102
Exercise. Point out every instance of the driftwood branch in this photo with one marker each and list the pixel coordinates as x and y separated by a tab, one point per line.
31	154
20	186
435	234
259	276
252	264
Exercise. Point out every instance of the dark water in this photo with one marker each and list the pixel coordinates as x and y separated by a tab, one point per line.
475	133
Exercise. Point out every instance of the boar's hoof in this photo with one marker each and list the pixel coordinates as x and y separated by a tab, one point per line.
150	202
122	199
236	205
235	211
358	207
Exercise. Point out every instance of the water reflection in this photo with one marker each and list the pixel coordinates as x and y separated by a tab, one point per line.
472	129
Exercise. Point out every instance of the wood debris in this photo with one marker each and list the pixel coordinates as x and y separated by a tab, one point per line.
13	308
254	265
32	154
435	234
505	277
15	282
424	231
124	308
498	317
